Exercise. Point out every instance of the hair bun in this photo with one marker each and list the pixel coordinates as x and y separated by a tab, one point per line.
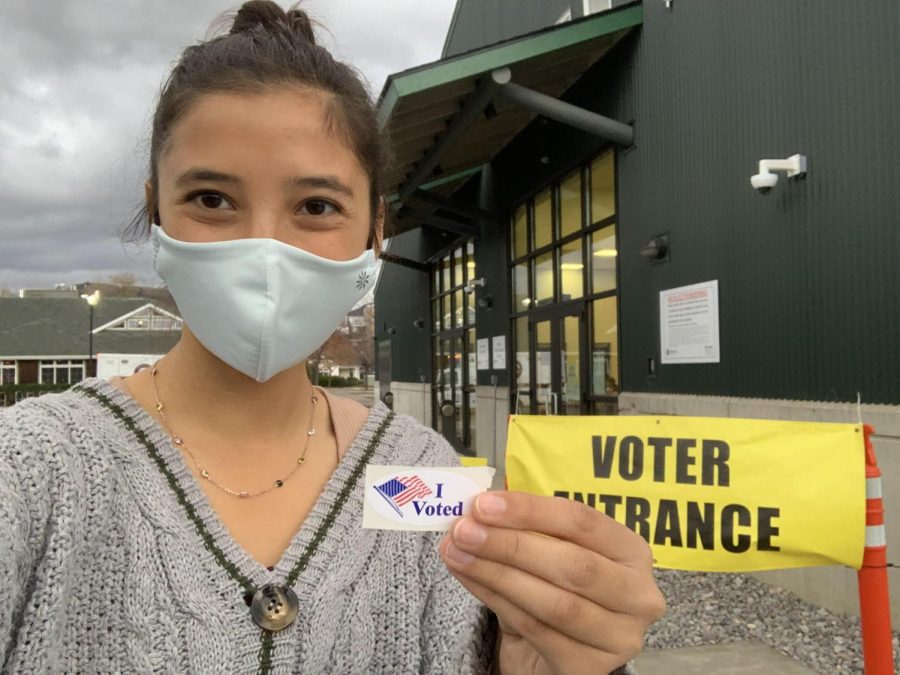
299	22
272	18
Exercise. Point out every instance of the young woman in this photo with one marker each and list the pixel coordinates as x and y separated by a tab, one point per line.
204	515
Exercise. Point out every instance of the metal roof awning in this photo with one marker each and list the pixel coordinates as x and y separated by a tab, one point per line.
448	118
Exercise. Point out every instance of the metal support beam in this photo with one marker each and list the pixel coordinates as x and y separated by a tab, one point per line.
458	126
453	206
441	223
615	131
496	82
404	262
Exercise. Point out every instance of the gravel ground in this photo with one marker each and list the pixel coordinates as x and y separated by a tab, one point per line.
705	609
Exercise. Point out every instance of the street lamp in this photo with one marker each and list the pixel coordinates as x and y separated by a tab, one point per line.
92	301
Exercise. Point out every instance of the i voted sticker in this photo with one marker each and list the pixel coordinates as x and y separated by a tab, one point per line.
421	498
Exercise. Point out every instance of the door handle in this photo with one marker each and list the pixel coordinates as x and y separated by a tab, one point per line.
551	397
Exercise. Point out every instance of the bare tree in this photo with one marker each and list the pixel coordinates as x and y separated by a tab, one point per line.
125	283
314	362
364	344
338	350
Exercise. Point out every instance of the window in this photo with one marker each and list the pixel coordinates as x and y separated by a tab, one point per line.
605	347
563	255
570	199
61	372
543	219
149	319
520	232
603	197
9	372
603	259
453	343
543	279
571	271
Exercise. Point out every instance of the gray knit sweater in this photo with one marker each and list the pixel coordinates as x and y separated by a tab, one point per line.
111	559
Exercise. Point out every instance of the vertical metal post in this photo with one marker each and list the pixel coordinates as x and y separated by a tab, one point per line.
424	400
494	423
90	372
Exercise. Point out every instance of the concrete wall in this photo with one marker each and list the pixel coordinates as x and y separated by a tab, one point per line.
831	587
413	399
491	410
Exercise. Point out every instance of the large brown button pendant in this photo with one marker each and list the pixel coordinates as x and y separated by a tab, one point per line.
274	607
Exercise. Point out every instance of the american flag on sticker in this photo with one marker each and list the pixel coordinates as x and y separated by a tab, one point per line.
400	491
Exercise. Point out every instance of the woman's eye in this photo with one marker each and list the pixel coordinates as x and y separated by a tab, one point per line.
318	207
211	200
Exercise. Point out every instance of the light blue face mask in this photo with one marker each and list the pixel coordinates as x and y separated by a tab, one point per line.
260	305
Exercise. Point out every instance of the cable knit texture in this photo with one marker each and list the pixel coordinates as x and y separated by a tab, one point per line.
111	559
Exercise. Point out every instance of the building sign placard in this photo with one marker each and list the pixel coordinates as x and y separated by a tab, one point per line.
708	494
689	324
483	348
499	352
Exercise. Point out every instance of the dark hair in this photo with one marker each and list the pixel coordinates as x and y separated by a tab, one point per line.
267	46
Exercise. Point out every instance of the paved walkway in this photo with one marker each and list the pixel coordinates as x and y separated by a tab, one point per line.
364	396
735	658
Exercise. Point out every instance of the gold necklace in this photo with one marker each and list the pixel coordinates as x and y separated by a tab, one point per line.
179	442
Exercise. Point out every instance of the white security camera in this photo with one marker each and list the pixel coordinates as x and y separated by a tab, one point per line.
765	180
473	284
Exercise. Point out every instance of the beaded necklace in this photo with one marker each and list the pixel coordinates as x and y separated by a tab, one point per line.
243	494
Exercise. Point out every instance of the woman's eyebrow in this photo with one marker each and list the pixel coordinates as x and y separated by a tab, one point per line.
201	175
327	182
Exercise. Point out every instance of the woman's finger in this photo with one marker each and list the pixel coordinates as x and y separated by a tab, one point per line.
562	653
564	519
563	564
567	613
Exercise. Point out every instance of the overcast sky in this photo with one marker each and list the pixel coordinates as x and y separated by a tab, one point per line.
78	81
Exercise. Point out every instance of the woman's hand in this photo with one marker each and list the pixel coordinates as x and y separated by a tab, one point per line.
572	588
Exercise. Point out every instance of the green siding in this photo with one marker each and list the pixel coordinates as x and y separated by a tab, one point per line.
402	296
809	273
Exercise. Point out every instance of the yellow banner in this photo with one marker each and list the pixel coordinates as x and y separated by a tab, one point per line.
472	461
708	494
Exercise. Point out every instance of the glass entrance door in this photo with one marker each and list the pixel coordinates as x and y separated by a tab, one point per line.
570	365
556	359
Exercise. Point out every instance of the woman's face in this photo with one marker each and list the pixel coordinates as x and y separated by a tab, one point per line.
264	166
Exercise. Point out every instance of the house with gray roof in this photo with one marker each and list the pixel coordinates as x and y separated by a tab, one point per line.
55	342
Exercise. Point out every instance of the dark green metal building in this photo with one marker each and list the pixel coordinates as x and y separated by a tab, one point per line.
807	274
566	163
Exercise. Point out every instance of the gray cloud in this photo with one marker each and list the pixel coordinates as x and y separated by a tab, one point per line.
78	80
